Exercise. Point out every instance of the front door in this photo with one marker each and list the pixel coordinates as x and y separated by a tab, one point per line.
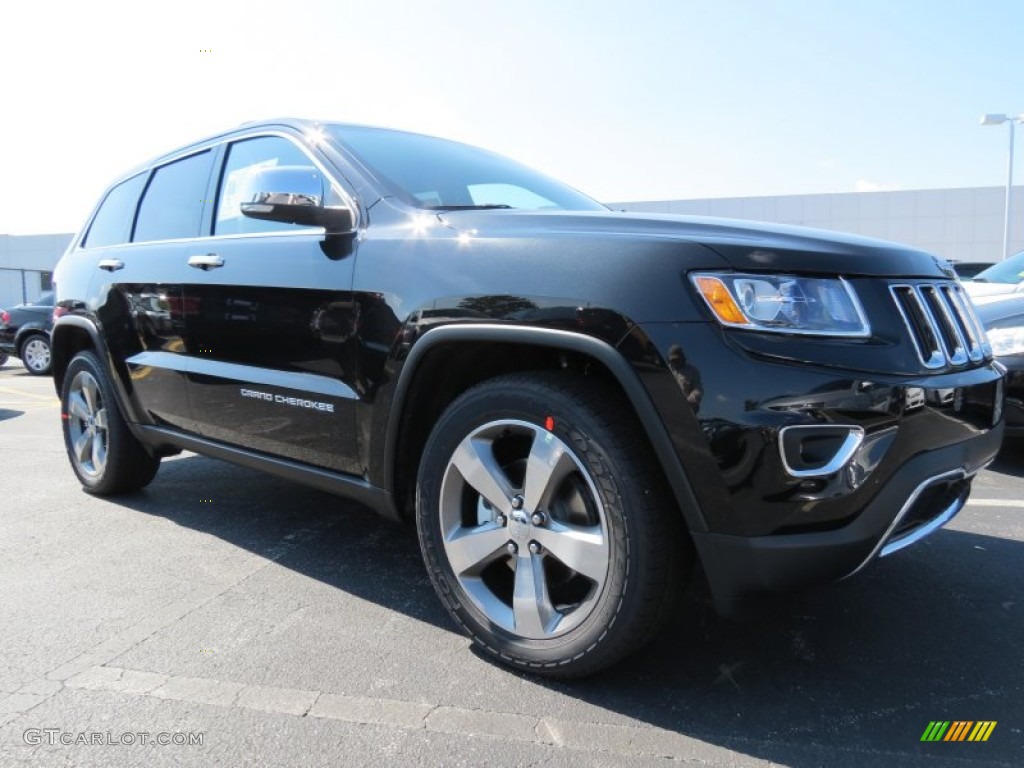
271	325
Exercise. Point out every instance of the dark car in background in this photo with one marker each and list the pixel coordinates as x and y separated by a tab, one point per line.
967	270
1004	322
25	333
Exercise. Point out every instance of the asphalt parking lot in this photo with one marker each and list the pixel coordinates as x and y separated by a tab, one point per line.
283	626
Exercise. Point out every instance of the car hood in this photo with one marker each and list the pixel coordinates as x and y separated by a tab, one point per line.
745	245
982	292
1002	311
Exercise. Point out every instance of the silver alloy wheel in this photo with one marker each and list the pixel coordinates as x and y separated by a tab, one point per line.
524	529
36	354
87	424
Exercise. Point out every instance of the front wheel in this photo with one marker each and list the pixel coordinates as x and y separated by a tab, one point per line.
35	354
105	455
545	524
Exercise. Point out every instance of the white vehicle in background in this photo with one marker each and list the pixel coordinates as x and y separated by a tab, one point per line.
998	281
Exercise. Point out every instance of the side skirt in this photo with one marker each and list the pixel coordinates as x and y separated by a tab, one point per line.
355	488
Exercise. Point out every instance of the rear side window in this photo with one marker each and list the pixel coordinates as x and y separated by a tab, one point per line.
172	206
113	221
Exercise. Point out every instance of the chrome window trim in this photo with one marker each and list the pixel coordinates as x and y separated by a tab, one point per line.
340	188
210	146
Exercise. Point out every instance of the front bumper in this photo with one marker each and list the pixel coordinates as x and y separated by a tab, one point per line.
762	524
921	497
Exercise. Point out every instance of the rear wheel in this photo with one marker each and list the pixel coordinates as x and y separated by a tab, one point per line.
35	354
104	454
545	525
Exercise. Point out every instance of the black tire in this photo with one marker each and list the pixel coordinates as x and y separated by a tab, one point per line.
105	455
604	500
36	355
4	357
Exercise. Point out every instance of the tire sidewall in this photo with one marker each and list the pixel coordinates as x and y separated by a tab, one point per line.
37	337
87	362
578	430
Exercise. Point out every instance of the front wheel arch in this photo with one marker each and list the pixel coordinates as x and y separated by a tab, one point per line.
426	358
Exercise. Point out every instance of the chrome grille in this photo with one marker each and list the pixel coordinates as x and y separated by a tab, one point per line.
941	322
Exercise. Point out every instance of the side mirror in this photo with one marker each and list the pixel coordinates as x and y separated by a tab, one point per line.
293	194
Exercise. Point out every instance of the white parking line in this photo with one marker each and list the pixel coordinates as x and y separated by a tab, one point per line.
1015	503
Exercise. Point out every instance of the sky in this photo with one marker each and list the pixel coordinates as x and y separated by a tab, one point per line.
641	100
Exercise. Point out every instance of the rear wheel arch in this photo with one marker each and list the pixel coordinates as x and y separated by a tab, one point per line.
69	336
441	365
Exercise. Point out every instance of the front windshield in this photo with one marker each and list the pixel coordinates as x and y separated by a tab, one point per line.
438	174
1009	271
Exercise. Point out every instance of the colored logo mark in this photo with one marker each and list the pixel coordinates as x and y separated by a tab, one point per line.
958	730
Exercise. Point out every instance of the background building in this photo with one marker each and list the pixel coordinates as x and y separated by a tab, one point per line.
26	265
958	224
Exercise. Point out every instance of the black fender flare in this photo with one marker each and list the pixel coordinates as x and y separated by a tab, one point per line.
590	346
60	327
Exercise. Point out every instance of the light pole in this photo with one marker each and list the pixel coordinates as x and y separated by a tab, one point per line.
1010	120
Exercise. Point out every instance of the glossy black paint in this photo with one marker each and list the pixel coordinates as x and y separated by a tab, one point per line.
327	358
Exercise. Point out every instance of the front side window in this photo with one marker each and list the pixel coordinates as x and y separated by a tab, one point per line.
172	206
113	221
245	161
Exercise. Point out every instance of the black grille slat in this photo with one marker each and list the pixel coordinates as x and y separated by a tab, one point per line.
941	323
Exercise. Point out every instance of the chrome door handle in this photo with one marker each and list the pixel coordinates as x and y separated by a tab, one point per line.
206	261
111	265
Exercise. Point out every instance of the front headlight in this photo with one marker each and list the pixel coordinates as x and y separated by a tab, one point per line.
1006	341
783	303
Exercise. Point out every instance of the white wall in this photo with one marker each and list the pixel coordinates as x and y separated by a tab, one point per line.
22	259
959	224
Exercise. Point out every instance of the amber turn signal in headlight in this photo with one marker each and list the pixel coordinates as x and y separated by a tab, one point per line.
783	303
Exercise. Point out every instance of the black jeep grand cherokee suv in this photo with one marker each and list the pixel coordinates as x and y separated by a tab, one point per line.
572	403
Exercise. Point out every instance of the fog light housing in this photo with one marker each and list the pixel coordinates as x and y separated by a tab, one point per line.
818	450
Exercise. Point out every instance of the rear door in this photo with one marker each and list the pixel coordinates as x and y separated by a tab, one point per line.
271	324
137	285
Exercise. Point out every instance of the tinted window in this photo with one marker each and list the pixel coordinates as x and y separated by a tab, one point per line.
436	173
245	160
172	205
113	221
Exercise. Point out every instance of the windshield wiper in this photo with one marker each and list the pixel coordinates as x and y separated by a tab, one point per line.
466	207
